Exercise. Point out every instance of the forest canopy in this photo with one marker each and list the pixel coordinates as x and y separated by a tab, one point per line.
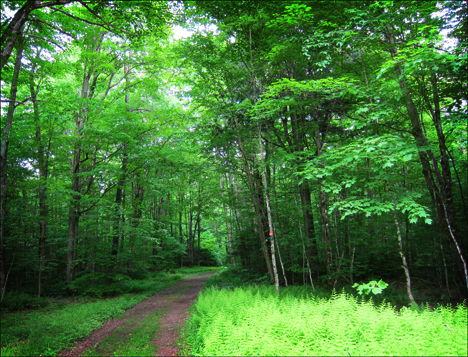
313	142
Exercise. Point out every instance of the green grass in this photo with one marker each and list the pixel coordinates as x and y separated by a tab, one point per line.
130	340
47	330
254	320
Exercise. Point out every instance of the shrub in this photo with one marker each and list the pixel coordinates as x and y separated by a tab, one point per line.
14	300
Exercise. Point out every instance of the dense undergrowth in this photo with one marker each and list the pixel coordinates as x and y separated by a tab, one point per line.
51	328
238	319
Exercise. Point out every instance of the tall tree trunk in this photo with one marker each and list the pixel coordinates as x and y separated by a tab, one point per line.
119	216
73	213
243	252
297	122
81	115
403	258
442	196
309	227
199	238
43	161
326	232
267	200
275	197
138	197
304	253
228	227
4	161
324	209
255	202
190	236
181	235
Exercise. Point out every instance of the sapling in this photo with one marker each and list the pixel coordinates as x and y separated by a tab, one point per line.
372	286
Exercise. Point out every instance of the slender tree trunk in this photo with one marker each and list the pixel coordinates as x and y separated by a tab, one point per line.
43	160
297	122
442	196
337	251
351	263
199	237
304	255
267	200
181	234
4	161
326	232
241	243
73	212
465	211
119	216
280	228
403	258
445	268
324	212
190	239
228	227
309	227
255	202
139	195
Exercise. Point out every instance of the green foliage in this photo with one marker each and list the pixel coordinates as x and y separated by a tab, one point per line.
15	300
321	84
256	321
373	287
236	277
121	284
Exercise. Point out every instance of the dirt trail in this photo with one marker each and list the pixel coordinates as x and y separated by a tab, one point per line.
174	301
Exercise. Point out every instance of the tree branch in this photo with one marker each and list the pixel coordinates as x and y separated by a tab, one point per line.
55	27
107	23
42	38
80	19
16	101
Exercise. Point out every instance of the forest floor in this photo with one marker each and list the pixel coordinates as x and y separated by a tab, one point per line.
169	306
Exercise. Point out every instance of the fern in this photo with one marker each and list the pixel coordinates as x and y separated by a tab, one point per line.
254	320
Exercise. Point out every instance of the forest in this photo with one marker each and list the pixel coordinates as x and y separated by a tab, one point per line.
303	144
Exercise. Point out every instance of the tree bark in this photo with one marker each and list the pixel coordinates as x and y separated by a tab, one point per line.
403	258
228	227
199	238
81	115
15	28
304	253
4	161
280	228
43	162
255	202
267	200
324	209
119	193
181	235
442	196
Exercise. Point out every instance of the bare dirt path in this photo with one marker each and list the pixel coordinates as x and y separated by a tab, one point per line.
173	302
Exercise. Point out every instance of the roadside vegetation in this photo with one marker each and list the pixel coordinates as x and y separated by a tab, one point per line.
58	323
232	318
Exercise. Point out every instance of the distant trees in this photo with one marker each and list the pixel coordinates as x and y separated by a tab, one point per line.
327	76
325	123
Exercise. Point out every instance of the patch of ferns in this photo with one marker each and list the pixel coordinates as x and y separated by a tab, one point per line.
254	320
